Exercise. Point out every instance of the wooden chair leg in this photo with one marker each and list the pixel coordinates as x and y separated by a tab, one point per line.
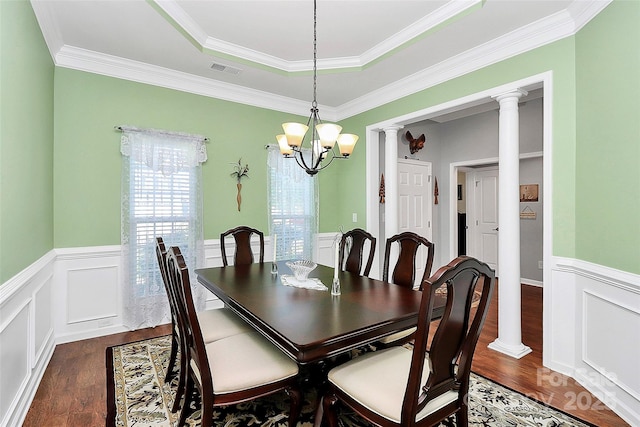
296	404
462	417
188	393
172	358
329	407
180	391
206	414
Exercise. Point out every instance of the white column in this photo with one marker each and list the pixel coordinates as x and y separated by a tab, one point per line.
391	180
509	339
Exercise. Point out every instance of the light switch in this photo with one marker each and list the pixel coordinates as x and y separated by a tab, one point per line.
354	217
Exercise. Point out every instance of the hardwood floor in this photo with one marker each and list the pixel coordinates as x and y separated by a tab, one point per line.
73	389
527	375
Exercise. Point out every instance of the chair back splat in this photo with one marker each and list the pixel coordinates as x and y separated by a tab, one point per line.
429	383
352	246
404	272
243	253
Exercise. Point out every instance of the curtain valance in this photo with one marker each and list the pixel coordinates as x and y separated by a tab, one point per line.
162	150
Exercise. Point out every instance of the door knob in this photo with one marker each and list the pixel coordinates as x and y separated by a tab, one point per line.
496	229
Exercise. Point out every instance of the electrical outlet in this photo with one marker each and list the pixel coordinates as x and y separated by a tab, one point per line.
354	217
540	265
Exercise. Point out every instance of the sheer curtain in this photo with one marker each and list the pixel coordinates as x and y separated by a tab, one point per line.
293	207
161	197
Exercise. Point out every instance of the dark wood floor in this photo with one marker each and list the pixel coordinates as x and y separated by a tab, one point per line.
73	389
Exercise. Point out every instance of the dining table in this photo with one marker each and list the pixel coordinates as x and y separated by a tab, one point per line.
312	325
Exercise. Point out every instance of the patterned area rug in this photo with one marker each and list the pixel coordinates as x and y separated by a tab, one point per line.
138	396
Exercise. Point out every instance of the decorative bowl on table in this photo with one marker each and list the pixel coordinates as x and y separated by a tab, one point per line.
301	269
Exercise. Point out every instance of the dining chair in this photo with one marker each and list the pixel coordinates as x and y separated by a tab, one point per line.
404	273
231	370
402	386
243	253
352	247
215	324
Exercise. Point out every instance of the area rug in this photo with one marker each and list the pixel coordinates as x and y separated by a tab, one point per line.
138	396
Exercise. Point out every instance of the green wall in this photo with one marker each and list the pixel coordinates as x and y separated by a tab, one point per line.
26	140
608	138
87	159
595	134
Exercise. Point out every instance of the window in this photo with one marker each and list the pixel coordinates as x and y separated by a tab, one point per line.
161	197
293	207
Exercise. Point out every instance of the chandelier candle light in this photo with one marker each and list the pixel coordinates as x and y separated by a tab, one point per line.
323	135
274	265
335	285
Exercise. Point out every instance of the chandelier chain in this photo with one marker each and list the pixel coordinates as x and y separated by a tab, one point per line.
315	55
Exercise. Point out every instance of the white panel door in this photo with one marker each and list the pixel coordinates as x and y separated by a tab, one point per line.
486	216
414	205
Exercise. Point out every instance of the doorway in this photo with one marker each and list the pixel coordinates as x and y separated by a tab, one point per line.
482	215
446	231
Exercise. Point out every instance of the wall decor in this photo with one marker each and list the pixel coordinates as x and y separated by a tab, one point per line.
238	173
527	213
415	144
529	193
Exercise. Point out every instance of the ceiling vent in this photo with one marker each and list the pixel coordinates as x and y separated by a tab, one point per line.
225	68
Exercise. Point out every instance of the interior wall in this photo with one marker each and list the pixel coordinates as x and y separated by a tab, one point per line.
531	225
608	138
26	135
476	137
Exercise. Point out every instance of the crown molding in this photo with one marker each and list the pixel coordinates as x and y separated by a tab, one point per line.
113	66
171	11
558	26
48	26
537	34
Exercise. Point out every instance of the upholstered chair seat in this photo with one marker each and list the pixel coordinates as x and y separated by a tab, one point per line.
401	336
382	390
220	323
246	361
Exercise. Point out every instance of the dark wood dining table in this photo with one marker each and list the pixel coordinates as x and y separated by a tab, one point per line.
312	325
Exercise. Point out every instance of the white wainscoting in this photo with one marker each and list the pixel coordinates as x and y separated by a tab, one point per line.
26	337
87	300
591	320
594	329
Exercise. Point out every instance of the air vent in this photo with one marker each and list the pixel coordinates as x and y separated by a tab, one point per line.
225	68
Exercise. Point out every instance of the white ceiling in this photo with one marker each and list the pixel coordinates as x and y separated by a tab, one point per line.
369	52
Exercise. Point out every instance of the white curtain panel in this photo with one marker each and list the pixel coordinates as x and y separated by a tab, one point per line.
292	207
161	197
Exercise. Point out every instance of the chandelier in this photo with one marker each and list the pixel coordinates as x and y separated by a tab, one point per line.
324	136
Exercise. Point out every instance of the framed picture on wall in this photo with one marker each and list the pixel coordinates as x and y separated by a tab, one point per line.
459	191
529	193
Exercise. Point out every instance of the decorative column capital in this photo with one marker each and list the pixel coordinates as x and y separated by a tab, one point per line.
392	128
517	94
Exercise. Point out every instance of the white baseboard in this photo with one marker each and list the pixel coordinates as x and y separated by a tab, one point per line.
531	282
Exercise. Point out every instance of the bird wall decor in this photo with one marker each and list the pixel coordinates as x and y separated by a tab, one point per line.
415	144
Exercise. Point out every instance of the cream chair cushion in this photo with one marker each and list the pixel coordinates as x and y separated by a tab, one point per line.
244	361
397	336
220	323
378	381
